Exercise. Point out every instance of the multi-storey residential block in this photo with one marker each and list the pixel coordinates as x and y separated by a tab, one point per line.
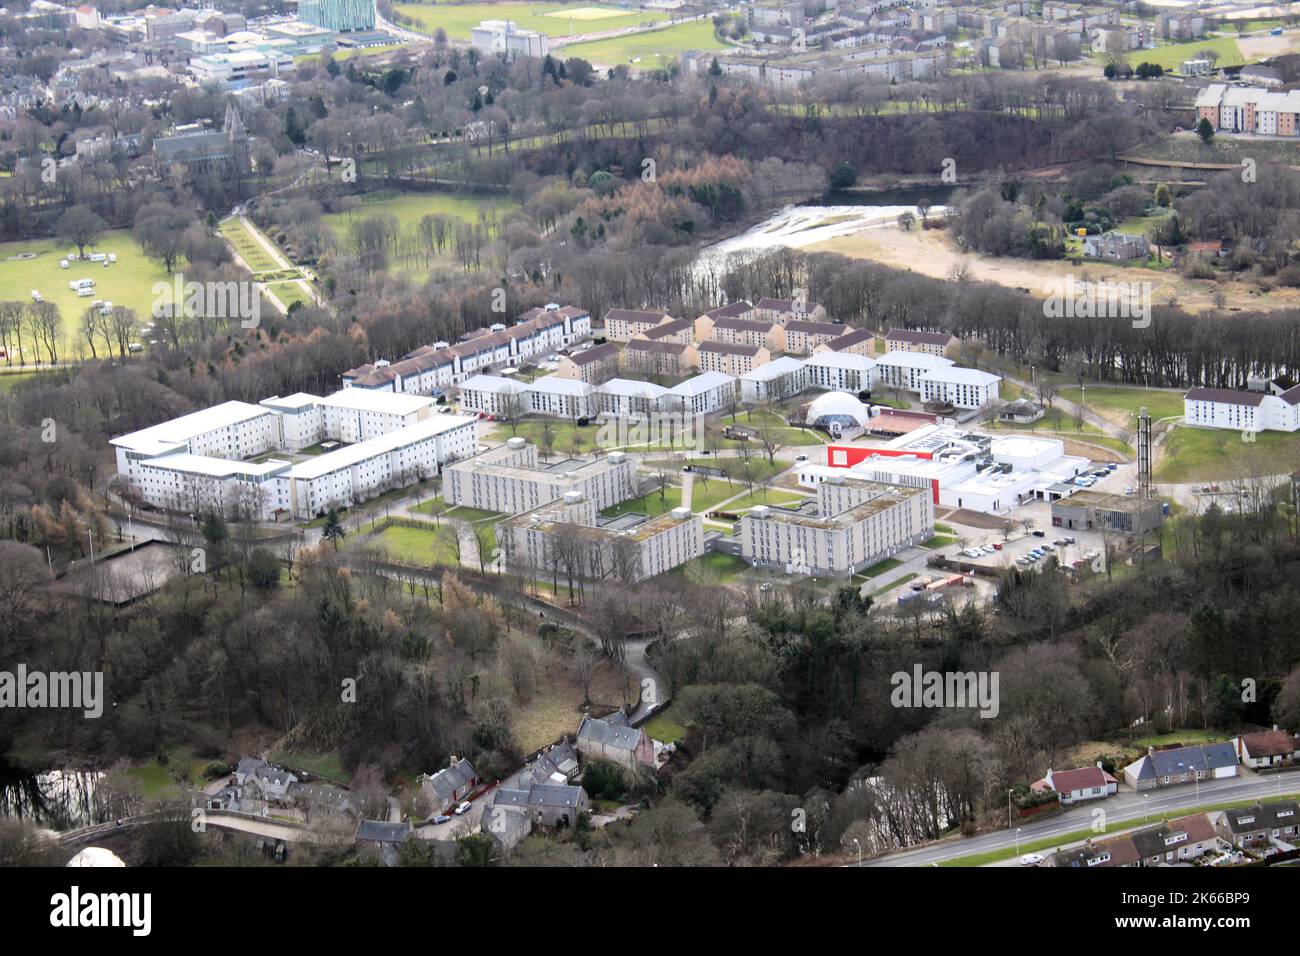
802	337
510	479
668	359
778	379
623	324
915	340
734	360
1277	410
593	365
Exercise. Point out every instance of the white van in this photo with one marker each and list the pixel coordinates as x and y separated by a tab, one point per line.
98	257
85	292
76	284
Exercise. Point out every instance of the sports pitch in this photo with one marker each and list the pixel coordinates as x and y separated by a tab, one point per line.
554	20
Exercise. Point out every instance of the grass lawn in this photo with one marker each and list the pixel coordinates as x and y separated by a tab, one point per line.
416	545
1192	736
893	584
1171	55
290	293
250	250
664	726
706	497
650	503
713	564
327	764
939	541
1204	454
10	381
410	208
765	496
128	282
157	779
567	437
880	567
651	50
1159	402
554	20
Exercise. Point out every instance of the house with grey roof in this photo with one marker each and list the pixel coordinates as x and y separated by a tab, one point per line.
1260	824
1167	768
450	785
544	804
611	738
1115	245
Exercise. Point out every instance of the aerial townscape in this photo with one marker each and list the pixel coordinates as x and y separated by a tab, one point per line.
771	434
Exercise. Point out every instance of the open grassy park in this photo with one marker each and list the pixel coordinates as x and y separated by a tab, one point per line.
1171	55
410	208
649	50
1215	454
34	264
554	20
423	546
1108	401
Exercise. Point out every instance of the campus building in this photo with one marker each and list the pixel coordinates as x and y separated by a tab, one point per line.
623	324
505	37
628	548
201	461
510	479
855	524
1273	410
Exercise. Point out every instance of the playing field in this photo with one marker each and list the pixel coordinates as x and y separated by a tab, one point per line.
410	208
555	20
650	50
128	282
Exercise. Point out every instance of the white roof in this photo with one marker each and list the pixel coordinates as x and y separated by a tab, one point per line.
493	383
632	388
297	400
369	400
850	360
838	403
961	376
555	385
914	360
704	382
773	369
166	436
210	467
363	451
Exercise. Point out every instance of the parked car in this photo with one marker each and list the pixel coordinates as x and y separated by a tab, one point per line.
441	818
1031	859
1048	547
1040	534
1068	539
463	807
997	546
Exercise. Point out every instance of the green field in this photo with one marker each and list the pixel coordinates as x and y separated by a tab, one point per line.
650	50
765	496
417	545
554	20
1212	454
648	504
713	567
1171	56
410	208
1160	403
665	727
128	282
250	250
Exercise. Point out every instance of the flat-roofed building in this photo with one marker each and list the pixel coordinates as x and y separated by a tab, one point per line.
494	395
905	370
1125	514
569	534
510	479
560	398
733	360
959	387
622	324
855	524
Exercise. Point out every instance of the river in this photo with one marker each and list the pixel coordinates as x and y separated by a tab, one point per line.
53	799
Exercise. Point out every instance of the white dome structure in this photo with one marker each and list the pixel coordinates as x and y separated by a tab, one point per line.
96	856
837	408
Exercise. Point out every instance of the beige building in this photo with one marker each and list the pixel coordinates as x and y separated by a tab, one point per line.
660	358
857	341
510	480
802	337
912	340
593	366
678	331
565	539
761	332
624	324
857	524
733	360
786	311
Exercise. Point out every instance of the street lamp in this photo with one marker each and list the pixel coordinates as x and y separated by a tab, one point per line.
1009	808
859	846
91	535
1146	806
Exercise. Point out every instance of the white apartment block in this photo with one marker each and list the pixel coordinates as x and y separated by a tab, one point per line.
510	480
905	370
858	524
494	395
774	381
628	398
840	372
959	387
703	394
622	550
1278	410
560	398
198	462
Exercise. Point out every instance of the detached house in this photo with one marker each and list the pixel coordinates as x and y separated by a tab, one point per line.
1073	786
612	738
1272	748
450	785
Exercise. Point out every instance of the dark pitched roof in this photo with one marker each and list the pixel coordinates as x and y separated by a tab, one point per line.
451	781
668	328
849	339
726	348
380	831
745	325
733	311
1265	816
918	337
650	345
635	315
1224	395
815	328
1200	758
609	733
600	353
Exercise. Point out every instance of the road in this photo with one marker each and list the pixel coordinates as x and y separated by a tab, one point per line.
1125	807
